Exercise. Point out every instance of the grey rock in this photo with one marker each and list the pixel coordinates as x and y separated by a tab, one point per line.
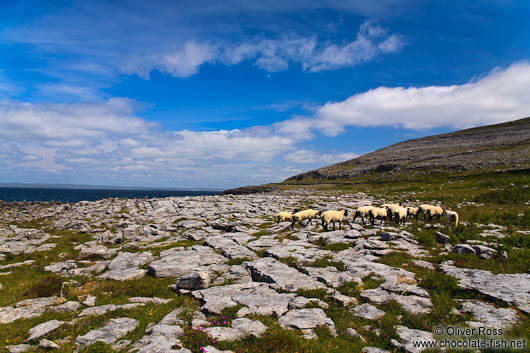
197	280
229	334
412	303
442	238
110	333
189	224
19	348
424	264
351	332
287	278
160	339
484	251
96	251
306	319
230	248
125	266
250	327
26	309
44	343
409	336
329	276
486	315
373	350
90	300
368	312
70	305
43	329
211	349
177	262
146	300
464	249
511	288
102	309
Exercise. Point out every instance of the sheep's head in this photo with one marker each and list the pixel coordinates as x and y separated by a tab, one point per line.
388	212
345	212
296	210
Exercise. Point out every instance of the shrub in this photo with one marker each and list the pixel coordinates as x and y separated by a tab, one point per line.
46	287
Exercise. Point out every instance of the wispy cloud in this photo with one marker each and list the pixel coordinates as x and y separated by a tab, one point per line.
87	48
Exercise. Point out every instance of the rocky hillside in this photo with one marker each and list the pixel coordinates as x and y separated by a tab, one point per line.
503	146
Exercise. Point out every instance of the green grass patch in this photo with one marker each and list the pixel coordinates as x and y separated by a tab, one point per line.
237	260
328	261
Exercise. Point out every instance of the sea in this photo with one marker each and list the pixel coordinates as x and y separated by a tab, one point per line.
9	194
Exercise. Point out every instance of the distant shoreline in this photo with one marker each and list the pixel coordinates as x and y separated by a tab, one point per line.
47	194
99	187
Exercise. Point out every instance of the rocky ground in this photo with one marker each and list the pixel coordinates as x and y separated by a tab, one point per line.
221	275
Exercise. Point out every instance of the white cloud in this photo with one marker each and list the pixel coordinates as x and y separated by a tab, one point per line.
68	121
271	55
500	96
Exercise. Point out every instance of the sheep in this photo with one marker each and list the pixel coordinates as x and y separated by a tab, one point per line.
412	212
400	215
392	207
363	211
429	211
379	213
308	214
451	217
286	216
328	217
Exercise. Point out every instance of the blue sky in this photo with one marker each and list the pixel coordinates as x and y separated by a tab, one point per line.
228	93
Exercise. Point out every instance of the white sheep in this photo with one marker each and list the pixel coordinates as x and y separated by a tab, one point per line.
380	213
328	217
400	215
412	212
392	207
363	211
451	217
308	214
430	211
286	216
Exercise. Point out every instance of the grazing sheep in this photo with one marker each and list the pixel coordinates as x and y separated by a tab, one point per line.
412	212
381	213
286	216
451	217
400	215
328	217
392	207
308	214
429	211
363	211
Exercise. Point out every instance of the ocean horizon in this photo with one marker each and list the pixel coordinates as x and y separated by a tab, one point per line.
11	194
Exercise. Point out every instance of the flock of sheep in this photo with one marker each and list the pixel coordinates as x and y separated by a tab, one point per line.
391	211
